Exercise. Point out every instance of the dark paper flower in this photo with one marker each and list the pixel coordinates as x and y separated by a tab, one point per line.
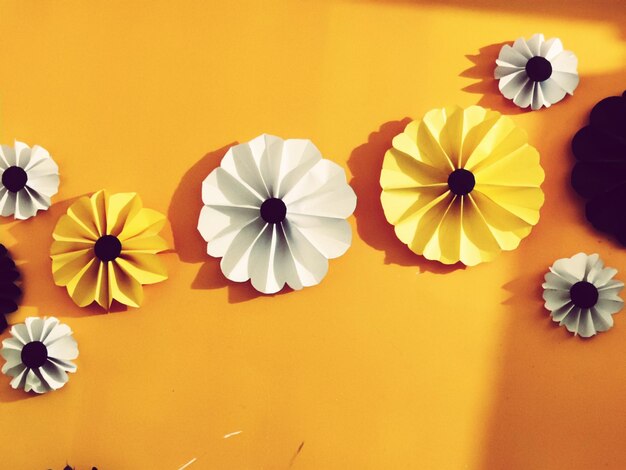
9	291
599	174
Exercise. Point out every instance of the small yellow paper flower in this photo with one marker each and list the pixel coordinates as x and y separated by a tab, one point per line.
462	185
105	248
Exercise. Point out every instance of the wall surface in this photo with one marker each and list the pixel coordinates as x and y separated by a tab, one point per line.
392	362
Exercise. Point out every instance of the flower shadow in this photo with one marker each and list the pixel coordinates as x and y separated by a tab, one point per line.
365	163
183	215
484	63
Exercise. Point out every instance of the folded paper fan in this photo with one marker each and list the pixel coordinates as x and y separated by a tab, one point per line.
462	185
581	294
39	354
28	179
536	72
9	291
105	248
599	174
275	211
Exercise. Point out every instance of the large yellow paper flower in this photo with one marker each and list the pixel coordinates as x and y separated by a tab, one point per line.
462	185
105	248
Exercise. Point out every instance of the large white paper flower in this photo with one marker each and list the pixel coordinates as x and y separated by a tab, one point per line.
536	72
38	354
275	212
582	295
28	179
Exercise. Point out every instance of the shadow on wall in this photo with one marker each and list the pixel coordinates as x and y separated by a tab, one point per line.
183	215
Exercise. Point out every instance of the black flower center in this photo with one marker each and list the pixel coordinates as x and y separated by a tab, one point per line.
14	178
107	248
461	182
584	294
538	69
34	354
273	210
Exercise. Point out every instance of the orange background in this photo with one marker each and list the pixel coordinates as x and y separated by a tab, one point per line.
391	362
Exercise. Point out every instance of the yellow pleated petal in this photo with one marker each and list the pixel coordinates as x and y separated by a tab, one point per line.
121	207
82	288
70	229
66	266
520	168
524	202
144	223
123	287
144	268
496	215
145	244
103	293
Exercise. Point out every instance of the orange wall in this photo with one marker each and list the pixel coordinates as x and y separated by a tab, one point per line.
392	362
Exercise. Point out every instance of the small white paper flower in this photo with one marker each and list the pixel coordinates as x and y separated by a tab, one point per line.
275	212
38	354
582	295
536	72
28	179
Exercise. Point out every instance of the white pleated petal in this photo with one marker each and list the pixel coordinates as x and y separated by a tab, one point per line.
61	350
42	180
294	250
564	273
513	79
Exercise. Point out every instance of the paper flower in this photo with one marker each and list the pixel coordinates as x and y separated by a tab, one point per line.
582	295
38	354
599	174
9	291
275	211
461	185
536	72
105	248
28	177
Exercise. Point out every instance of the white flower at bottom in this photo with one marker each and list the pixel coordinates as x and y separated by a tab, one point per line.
275	211
28	179
536	72
582	295
38	354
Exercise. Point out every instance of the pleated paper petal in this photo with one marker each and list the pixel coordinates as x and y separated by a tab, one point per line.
39	355
275	212
28	180
105	248
582	295
599	174
536	72
461	185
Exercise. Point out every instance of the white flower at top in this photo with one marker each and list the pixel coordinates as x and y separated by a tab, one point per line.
582	294
28	179
536	72
38	354
274	211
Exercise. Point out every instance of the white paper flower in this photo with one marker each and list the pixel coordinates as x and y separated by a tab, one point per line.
582	295
536	72
28	179
275	212
38	354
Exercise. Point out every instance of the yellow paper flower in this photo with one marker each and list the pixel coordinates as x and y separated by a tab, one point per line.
462	185
105	248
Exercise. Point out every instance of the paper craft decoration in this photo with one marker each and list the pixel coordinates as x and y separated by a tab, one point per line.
275	211
106	247
536	72
39	354
462	185
28	179
9	291
599	174
581	294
